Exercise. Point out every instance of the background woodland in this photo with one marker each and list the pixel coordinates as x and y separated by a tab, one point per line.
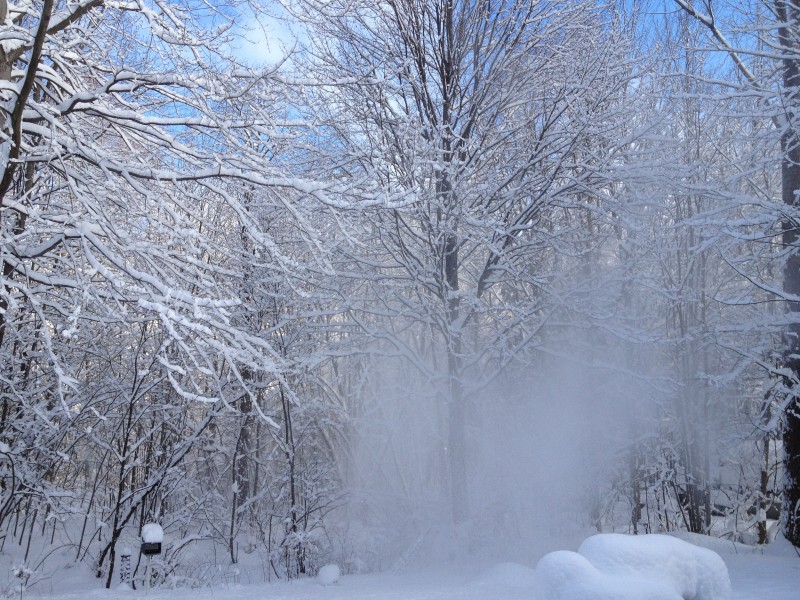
450	277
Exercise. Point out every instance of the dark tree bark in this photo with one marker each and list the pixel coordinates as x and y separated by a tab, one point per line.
788	12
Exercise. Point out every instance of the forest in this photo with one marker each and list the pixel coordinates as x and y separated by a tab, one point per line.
385	282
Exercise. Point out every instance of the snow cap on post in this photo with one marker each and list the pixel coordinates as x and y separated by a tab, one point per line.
152	533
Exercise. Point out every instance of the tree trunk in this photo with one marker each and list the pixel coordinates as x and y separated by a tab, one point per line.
290	454
457	432
455	407
763	531
789	12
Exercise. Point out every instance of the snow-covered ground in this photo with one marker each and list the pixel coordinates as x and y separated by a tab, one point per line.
773	573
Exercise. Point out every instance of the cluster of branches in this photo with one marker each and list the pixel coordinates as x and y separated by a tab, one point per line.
206	267
157	280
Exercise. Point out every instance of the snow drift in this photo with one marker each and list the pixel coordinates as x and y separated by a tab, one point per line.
622	567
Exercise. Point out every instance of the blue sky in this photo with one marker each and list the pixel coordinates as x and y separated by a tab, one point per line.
263	38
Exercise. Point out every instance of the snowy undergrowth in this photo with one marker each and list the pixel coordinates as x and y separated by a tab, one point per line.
772	572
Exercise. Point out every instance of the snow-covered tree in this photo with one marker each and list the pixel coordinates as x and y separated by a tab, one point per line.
472	130
761	40
132	144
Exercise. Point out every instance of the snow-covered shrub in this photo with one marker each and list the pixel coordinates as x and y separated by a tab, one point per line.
694	572
564	575
621	567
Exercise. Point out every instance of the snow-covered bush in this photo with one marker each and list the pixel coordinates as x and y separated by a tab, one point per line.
619	566
694	572
564	575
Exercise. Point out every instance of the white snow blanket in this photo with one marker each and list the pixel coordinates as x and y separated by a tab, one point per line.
626	567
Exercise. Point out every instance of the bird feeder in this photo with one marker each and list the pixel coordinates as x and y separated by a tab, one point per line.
152	536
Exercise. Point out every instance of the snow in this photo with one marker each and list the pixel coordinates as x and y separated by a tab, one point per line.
509	574
693	572
564	575
756	573
329	574
616	566
152	533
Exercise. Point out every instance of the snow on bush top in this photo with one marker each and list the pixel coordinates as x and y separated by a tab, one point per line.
152	533
692	571
566	575
656	567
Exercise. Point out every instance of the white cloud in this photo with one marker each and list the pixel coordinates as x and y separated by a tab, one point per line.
262	39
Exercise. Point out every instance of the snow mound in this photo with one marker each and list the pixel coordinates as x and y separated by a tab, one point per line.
695	573
507	575
564	575
329	574
625	567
